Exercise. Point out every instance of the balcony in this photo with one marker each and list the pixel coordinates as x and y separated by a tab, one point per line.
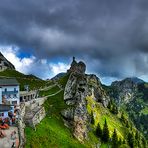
9	92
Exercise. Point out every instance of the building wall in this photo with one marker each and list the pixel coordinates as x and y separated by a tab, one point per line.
9	94
36	118
0	96
5	115
26	96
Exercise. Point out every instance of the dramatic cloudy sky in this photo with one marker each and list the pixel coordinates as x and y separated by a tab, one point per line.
111	36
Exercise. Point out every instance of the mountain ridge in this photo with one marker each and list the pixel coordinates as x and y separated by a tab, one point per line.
5	64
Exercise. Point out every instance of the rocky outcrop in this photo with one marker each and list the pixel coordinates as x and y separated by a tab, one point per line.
4	63
34	116
125	89
96	89
79	67
78	87
75	93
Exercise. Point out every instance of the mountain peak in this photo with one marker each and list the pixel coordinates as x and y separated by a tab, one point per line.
5	64
135	80
77	67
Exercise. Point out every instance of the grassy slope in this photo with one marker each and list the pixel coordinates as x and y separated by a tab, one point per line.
30	80
101	113
51	132
49	91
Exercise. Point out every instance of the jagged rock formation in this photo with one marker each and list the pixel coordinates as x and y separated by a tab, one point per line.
77	67
131	95
126	89
96	90
4	63
78	87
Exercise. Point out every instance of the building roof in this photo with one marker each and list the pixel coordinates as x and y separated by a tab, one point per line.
8	82
4	107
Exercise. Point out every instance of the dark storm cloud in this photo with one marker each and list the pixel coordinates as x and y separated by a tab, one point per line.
112	35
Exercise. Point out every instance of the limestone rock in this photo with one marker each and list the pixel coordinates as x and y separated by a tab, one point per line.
74	95
77	67
68	114
125	89
78	87
96	90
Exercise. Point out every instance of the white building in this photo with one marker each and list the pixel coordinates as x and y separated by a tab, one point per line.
5	110
9	91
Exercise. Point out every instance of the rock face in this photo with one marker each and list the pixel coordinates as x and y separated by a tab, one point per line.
77	67
75	93
78	87
4	63
96	90
126	89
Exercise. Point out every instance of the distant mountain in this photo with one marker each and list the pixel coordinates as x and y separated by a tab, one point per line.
131	95
132	80
5	64
136	80
58	76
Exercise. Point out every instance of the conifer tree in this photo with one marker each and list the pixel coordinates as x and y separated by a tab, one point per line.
105	135
92	118
109	105
99	131
144	143
123	141
127	124
137	139
119	141
114	109
122	117
130	139
114	139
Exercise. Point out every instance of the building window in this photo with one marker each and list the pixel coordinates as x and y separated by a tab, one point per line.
14	102
1	114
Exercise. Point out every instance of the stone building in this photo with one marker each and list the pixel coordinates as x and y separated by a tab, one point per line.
26	96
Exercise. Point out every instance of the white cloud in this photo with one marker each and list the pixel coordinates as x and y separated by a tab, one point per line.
58	68
32	65
21	64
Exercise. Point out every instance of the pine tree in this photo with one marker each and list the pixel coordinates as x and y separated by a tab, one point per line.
124	141
99	131
119	141
127	124
105	135
137	139
144	143
92	118
130	140
114	139
109	105
122	117
114	109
